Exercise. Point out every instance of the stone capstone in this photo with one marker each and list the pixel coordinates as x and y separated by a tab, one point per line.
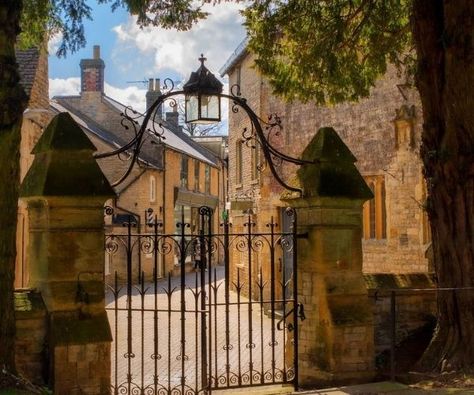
64	164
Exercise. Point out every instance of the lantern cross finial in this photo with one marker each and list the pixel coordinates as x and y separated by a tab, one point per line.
202	59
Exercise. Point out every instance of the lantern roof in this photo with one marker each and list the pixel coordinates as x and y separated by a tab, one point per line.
202	81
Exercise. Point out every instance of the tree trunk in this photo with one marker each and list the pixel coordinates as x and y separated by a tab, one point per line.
444	38
12	103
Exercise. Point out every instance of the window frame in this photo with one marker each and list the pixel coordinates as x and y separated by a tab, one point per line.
184	173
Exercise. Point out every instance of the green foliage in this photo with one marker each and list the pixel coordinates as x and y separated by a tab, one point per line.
34	17
179	14
327	51
66	17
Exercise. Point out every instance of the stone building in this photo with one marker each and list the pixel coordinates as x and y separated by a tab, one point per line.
382	130
173	178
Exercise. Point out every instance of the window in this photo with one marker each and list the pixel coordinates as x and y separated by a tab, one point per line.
255	161
197	169
152	189
374	212
238	162
184	171
207	179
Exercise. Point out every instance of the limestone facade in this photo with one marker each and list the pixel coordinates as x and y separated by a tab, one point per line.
171	172
151	189
383	132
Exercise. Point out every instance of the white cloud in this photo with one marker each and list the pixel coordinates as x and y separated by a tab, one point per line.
165	50
64	86
130	96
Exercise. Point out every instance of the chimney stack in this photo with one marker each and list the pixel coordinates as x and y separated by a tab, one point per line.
172	118
152	95
92	73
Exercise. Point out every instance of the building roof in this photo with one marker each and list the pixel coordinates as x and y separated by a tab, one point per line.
27	61
235	57
176	140
112	167
114	132
114	135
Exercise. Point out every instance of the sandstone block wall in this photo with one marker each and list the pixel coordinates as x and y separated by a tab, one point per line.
31	131
83	369
414	309
31	336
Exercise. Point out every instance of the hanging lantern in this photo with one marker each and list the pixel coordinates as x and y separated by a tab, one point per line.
202	100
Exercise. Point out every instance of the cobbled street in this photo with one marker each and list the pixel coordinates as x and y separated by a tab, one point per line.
250	337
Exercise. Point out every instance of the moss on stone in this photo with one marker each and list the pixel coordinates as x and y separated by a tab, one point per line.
333	173
64	165
349	314
399	281
327	146
28	304
72	329
63	134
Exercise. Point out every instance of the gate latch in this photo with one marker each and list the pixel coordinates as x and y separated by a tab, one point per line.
282	322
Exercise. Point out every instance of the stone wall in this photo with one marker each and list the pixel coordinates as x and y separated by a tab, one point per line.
369	128
79	366
31	336
415	310
31	130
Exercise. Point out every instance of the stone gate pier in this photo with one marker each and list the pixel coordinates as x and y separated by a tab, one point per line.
336	341
65	191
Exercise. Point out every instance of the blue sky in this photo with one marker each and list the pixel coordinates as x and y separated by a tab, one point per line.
132	54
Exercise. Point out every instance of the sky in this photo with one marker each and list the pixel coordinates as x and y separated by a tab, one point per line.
134	54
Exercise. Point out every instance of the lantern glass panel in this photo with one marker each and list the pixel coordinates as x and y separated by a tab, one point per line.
210	109
192	108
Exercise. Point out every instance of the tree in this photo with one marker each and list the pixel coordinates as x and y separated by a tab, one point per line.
12	103
36	19
329	51
326	51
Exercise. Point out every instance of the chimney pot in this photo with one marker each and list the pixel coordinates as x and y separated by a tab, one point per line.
157	84
96	51
150	85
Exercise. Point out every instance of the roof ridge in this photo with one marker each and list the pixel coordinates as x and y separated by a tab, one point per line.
179	134
89	120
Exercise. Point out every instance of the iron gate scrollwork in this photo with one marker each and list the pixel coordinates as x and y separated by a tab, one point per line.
232	322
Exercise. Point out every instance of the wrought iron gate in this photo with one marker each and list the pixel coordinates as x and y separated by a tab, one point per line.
230	323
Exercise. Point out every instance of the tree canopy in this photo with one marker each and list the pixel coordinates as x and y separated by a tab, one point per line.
325	51
328	51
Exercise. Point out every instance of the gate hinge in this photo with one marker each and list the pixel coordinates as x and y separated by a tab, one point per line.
301	314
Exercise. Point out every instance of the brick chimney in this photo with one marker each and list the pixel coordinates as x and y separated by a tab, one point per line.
92	73
152	94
